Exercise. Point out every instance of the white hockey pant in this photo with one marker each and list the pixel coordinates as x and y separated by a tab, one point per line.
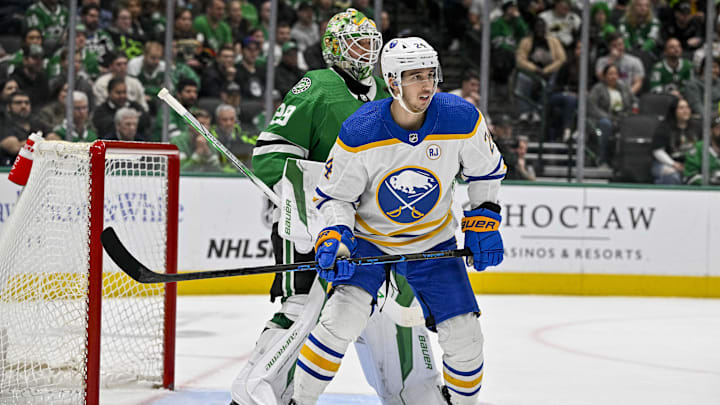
462	342
343	319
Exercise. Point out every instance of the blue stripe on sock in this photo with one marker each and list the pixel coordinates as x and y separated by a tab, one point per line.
464	393
464	373
325	348
312	372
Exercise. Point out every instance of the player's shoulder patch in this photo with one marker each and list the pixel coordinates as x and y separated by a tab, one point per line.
455	115
302	85
365	126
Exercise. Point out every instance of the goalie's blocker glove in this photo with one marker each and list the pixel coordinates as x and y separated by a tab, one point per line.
332	242
482	236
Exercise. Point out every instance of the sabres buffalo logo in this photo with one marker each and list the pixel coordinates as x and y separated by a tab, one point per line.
408	194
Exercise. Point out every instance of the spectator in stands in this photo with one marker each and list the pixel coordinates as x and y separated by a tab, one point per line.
97	41
126	125
125	39
230	95
387	29
671	74
457	23
600	29
239	26
564	98
313	54
105	17
609	101
219	73
211	25
249	77
31	78
699	54
618	11
53	113
230	134
197	155
104	115
288	73
18	124
153	20
258	36
32	36
538	58
690	31
640	29
305	31
149	69
82	82
673	138
7	88
521	170
530	10
562	23
188	42
282	36
51	17
82	127
630	68
117	69
694	158
506	32
695	89
470	89
135	8
324	10
187	94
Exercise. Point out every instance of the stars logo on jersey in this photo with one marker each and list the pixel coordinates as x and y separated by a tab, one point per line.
302	85
328	168
407	194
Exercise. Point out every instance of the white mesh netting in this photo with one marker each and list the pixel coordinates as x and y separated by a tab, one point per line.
44	267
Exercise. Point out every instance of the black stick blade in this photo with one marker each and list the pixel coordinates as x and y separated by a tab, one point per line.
124	259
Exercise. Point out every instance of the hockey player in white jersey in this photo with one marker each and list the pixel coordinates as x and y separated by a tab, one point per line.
388	189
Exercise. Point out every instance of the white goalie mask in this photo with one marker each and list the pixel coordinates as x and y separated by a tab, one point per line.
403	54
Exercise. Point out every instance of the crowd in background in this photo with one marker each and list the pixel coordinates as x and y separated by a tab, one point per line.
647	59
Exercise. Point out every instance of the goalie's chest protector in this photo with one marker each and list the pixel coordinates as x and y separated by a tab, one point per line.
408	176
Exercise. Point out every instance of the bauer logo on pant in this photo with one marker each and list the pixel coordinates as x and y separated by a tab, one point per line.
407	194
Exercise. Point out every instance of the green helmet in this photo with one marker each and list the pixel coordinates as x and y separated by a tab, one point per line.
352	42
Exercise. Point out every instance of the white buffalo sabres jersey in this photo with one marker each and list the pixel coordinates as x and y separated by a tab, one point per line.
394	187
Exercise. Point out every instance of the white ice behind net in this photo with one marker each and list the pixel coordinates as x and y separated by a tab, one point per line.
44	266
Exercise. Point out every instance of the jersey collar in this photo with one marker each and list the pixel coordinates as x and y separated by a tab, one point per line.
364	90
411	137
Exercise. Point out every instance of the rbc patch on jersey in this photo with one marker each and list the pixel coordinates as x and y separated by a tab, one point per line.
407	194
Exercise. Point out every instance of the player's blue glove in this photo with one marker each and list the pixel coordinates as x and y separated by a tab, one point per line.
482	237
332	242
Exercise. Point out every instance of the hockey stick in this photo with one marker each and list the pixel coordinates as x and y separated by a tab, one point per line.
140	273
165	96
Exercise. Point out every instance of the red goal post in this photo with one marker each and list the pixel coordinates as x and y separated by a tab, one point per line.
70	321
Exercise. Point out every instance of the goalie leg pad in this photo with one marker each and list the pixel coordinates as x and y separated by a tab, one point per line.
342	320
461	339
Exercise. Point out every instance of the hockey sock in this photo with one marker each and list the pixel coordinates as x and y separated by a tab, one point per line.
461	339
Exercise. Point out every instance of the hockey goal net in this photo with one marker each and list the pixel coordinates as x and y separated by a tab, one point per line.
70	321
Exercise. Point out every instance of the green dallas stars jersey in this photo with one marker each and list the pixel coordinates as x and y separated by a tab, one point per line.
308	121
51	23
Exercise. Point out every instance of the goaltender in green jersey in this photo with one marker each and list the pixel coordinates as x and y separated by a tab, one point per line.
396	359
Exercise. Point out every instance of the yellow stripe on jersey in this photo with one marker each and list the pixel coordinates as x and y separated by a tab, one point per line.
420	238
460	383
367	146
394	141
318	360
409	229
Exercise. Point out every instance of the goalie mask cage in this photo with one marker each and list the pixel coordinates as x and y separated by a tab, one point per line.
70	321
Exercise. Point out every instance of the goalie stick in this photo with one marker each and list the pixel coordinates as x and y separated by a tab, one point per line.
140	273
165	96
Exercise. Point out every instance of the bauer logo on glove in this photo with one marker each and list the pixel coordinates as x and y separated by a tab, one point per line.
482	237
